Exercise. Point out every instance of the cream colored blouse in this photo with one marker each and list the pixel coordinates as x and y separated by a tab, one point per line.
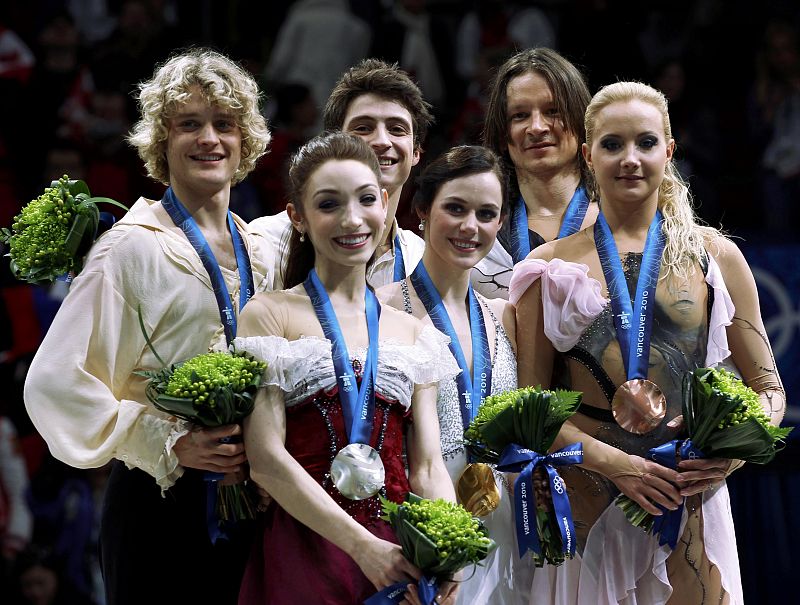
81	391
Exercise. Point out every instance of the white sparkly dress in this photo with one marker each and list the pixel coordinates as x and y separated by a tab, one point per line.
503	578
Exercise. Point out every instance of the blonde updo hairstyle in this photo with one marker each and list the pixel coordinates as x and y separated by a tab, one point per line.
222	84
685	238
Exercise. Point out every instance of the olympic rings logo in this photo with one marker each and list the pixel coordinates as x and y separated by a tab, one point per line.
782	326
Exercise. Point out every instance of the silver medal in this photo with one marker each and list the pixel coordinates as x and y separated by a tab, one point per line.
357	471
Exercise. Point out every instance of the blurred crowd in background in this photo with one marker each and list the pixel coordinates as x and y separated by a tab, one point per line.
69	69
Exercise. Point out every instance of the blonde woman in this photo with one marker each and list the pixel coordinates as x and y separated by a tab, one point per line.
622	309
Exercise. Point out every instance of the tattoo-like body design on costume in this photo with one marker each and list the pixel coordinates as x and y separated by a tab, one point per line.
768	383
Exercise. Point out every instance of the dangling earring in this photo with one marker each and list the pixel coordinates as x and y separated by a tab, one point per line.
302	236
421	225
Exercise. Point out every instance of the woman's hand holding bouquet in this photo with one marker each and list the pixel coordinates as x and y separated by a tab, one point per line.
438	537
723	419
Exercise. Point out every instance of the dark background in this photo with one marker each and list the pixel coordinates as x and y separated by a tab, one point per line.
731	70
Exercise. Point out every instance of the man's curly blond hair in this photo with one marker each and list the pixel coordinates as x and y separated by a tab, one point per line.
222	83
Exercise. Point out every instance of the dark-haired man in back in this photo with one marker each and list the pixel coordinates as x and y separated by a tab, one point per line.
381	104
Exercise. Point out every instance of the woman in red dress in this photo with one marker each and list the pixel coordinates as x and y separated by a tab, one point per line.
322	339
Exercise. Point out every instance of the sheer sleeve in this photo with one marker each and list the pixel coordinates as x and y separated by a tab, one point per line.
571	299
81	392
750	349
721	316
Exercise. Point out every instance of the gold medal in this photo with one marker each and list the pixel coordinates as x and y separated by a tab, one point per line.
477	490
639	406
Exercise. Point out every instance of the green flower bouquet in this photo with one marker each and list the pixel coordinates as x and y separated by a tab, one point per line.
437	536
723	418
515	429
529	416
52	233
210	390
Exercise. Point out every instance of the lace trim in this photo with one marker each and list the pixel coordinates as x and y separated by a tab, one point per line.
304	366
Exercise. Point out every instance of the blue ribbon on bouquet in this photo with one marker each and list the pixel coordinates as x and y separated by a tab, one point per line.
214	524
426	590
667	526
215	532
515	459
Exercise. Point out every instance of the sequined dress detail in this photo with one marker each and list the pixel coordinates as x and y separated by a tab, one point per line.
503	578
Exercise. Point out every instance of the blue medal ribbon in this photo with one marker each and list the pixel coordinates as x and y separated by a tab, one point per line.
520	241
667	525
472	390
399	263
576	211
571	223
358	404
633	321
391	595
517	459
181	217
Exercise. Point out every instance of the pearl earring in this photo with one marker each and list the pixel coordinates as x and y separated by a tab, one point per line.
421	226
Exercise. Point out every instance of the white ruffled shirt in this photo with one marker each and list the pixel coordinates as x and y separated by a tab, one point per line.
81	391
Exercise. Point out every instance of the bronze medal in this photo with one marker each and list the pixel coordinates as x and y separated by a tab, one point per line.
639	406
477	490
357	471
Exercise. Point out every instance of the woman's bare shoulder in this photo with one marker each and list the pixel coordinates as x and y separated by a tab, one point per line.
571	248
